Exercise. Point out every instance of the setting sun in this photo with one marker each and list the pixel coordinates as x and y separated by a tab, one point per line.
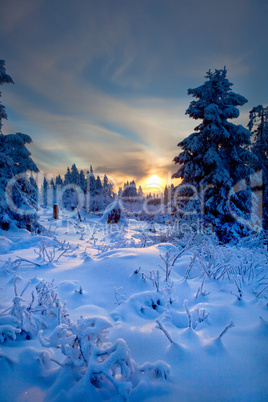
153	184
153	181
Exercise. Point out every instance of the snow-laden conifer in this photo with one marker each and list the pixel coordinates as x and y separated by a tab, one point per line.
258	125
215	157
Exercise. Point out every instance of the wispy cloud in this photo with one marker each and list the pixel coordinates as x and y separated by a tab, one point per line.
105	83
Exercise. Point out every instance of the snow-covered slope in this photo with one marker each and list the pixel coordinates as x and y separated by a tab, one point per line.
199	335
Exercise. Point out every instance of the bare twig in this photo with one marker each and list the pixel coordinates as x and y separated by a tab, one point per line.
230	325
188	313
258	294
182	251
163	329
31	262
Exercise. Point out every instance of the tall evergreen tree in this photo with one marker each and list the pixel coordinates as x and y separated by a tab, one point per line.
98	186
215	158
90	182
15	159
75	175
45	192
130	190
67	194
70	195
53	195
59	181
140	192
58	185
166	195
67	177
107	189
34	192
258	125
82	181
4	79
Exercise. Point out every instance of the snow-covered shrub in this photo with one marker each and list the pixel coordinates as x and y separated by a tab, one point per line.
237	265
49	303
11	266
52	250
169	258
27	318
24	320
154	277
107	367
8	328
157	370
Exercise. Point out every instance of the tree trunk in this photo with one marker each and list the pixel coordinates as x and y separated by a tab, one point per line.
55	211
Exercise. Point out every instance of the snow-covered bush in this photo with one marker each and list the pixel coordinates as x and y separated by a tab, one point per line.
8	328
27	318
25	322
107	367
49	303
52	250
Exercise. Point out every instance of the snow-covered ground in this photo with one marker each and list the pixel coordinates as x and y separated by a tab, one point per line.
200	335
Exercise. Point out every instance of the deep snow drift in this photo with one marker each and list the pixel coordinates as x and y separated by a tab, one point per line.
173	321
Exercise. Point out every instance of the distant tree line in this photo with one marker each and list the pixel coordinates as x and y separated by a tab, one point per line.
78	189
223	169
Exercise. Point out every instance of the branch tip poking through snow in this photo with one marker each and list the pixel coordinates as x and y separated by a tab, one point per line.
230	325
163	329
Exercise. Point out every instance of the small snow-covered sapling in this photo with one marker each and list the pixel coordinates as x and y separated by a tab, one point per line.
200	290
49	302
188	313
190	266
154	277
168	259
47	250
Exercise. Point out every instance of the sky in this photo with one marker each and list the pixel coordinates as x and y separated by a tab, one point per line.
104	83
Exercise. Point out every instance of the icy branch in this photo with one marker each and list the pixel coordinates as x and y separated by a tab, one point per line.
163	329
230	325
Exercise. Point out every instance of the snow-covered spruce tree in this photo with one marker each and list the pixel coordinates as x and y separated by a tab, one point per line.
107	190
82	181
90	190
15	162
215	158
67	196
4	79
34	192
75	182
258	125
16	190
